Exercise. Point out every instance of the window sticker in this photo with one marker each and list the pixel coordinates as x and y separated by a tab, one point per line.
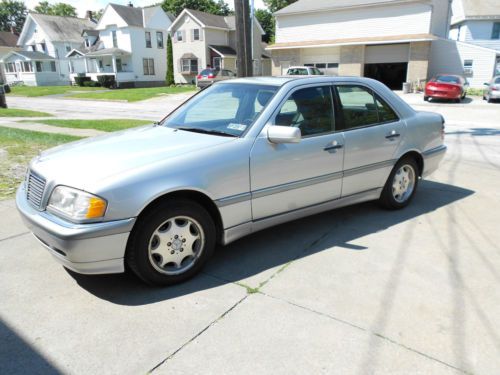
239	127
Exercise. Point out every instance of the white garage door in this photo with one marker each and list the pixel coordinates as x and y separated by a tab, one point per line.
390	53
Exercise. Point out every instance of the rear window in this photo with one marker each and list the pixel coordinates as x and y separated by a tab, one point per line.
448	79
497	81
207	72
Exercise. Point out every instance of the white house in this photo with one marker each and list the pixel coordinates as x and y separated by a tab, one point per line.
389	40
474	46
201	39
44	42
129	43
8	43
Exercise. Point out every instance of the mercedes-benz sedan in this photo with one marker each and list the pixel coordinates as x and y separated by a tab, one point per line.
238	157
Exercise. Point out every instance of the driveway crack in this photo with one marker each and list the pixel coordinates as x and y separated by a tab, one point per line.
212	323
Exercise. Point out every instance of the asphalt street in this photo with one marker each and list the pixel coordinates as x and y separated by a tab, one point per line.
359	290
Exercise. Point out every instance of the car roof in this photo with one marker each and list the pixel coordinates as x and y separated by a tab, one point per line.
300	67
282	80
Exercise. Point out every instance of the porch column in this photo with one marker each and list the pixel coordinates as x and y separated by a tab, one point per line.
86	65
114	64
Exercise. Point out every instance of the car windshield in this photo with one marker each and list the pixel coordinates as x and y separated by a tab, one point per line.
222	109
497	81
448	79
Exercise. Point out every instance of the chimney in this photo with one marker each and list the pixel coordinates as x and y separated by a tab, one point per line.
89	15
130	4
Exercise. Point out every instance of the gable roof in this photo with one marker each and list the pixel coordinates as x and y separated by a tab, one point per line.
7	39
62	29
320	5
135	16
30	55
481	8
212	20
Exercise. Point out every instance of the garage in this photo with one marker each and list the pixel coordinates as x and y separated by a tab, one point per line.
387	64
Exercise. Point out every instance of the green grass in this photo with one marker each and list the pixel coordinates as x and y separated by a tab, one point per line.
13	112
134	95
33	91
474	92
17	148
103	125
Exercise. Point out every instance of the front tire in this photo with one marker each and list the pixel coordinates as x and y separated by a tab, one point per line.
401	185
171	242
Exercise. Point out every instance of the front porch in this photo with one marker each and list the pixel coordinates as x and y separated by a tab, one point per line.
110	62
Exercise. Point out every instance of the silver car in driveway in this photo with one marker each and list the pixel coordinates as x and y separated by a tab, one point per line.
238	157
492	90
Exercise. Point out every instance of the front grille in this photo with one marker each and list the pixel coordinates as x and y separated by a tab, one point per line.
34	189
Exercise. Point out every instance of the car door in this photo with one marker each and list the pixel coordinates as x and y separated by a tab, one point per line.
287	177
372	133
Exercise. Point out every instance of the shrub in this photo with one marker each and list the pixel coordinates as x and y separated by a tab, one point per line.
91	84
107	81
6	88
80	81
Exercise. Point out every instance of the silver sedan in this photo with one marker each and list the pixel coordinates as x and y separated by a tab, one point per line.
492	90
238	157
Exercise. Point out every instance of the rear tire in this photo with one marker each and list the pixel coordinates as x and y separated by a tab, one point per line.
426	98
171	242
401	185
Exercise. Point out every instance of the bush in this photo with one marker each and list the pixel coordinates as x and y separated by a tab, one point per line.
80	81
6	88
107	81
91	84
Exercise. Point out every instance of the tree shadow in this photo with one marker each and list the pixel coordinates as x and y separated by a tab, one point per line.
275	247
19	357
476	132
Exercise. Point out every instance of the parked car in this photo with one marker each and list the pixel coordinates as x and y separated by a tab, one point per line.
241	156
209	76
303	71
446	86
492	90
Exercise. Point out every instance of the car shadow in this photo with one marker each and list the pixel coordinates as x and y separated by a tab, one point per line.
476	132
277	246
467	100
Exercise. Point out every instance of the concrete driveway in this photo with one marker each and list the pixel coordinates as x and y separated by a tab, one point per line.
358	290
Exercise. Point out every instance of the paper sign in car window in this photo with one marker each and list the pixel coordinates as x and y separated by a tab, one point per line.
239	127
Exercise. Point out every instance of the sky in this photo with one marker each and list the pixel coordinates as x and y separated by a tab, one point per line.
83	5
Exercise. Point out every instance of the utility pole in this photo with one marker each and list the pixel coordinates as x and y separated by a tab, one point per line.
243	38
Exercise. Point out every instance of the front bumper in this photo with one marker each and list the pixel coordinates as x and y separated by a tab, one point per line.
443	94
94	248
494	94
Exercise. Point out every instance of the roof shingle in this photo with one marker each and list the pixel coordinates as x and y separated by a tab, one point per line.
318	5
7	39
62	29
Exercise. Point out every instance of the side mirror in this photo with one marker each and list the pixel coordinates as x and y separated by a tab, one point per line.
486	84
283	134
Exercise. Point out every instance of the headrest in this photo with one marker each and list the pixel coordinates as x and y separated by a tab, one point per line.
263	97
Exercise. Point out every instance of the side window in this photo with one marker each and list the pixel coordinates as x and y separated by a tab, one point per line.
358	106
385	113
308	109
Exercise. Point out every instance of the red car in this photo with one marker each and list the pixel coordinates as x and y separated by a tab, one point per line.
446	86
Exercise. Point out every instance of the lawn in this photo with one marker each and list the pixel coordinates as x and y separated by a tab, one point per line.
103	125
17	148
13	112
134	95
33	91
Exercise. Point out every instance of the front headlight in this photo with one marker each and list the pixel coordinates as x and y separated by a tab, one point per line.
76	204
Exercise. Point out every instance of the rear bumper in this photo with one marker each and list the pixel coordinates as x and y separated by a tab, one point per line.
442	95
94	248
432	159
494	94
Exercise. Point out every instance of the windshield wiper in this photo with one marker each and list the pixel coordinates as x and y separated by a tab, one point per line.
206	131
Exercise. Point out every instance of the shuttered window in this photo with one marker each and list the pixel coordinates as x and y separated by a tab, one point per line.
149	67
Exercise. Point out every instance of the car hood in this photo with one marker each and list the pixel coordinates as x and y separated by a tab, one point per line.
84	163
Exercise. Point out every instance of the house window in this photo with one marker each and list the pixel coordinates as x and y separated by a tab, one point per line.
196	34
39	67
149	67
178	36
119	67
468	64
10	67
52	66
496	31
68	48
115	41
189	65
148	39
159	39
26	66
43	46
100	64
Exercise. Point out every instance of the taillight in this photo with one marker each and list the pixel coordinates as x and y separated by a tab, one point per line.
210	76
495	88
198	76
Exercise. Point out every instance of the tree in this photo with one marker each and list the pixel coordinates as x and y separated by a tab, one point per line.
12	15
218	7
275	5
97	15
58	9
266	20
170	63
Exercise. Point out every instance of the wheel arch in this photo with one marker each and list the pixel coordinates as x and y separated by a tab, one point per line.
419	159
193	195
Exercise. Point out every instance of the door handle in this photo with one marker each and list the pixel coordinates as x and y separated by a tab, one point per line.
393	135
333	147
